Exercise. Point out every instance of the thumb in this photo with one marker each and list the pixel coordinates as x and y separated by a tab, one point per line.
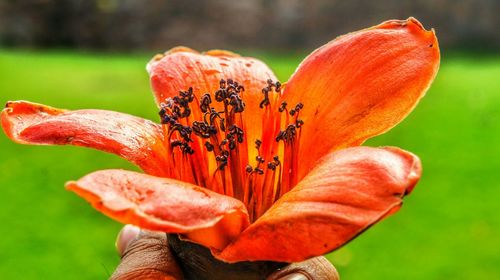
144	255
318	268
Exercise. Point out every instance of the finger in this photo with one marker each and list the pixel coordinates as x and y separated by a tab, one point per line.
144	255
126	235
318	268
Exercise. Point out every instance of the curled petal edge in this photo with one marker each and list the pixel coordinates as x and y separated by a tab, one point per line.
163	204
349	191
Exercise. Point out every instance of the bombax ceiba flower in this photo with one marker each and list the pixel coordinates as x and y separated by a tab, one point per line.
251	168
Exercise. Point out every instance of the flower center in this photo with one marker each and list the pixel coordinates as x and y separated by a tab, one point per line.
208	145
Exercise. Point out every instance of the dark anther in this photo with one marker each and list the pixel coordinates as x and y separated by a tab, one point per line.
257	144
237	103
212	130
184	146
279	137
234	86
291	131
178	106
235	131
222	143
188	95
187	149
299	123
201	129
209	146
232	145
277	86
282	106
271	165
162	112
265	101
176	143
177	111
297	108
213	114
223	160
259	159
220	95
184	132
222	124
230	140
205	102
229	94
270	87
186	112
276	160
165	119
248	169
179	101
288	134
259	171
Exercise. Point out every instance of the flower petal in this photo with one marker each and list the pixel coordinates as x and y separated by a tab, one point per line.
361	85
135	139
164	204
181	68
346	193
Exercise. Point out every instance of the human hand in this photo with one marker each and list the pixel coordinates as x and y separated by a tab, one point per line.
146	255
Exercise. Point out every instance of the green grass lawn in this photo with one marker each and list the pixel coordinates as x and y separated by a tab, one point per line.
449	227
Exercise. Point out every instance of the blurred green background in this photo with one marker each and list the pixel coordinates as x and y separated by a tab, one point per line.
449	227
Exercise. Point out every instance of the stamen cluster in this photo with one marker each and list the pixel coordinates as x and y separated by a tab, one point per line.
213	130
171	111
291	130
270	86
178	107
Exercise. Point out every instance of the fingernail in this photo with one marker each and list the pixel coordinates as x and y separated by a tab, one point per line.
294	276
127	234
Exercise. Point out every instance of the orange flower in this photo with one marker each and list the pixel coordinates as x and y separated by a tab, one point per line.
250	168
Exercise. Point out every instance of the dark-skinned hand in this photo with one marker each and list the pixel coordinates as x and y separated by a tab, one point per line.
146	255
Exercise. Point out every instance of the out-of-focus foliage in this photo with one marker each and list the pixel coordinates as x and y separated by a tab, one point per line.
160	24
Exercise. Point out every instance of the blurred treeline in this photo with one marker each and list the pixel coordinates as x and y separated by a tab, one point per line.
249	24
